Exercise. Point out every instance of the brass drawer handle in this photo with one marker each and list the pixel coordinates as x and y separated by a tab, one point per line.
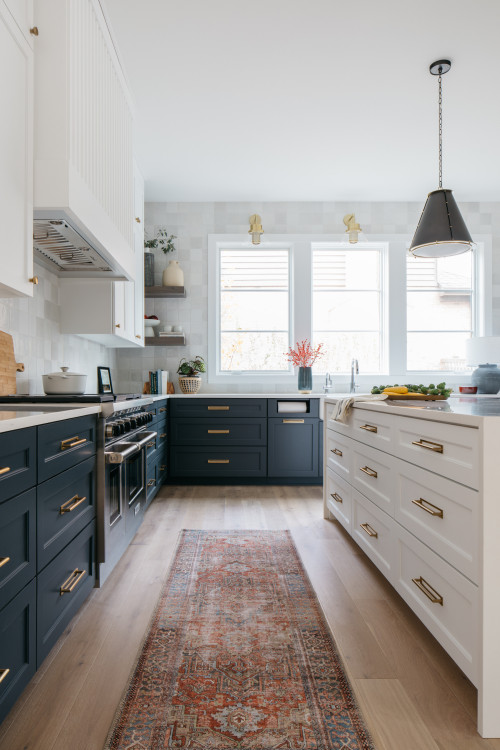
137	220
428	507
218	461
150	445
5	470
71	582
370	472
368	427
371	532
293	421
336	451
427	589
3	674
218	408
162	468
218	432
336	497
34	31
71	504
151	482
163	408
137	336
163	434
422	443
72	442
4	561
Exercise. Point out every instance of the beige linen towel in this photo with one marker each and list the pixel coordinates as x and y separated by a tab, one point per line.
342	407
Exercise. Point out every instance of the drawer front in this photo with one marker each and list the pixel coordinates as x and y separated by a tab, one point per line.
17	646
17	462
152	477
293	447
374	531
161	438
449	450
373	475
293	407
218	407
64	444
17	544
445	601
217	462
74	569
65	505
441	513
218	431
345	428
338	498
158	409
372	428
338	453
151	448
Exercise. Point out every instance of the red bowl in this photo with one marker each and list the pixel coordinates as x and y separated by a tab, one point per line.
467	388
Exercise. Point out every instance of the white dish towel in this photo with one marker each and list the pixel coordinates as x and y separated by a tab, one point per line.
342	407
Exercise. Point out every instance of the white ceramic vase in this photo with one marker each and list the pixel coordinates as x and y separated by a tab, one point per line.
173	275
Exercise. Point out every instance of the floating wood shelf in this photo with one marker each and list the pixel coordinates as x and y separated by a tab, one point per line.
165	291
166	340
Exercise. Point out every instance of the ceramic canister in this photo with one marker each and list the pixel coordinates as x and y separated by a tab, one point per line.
173	275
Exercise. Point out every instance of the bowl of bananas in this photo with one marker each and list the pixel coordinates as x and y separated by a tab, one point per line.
420	392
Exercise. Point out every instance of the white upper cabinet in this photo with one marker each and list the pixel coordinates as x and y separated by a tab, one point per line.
83	133
22	12
99	310
139	256
16	151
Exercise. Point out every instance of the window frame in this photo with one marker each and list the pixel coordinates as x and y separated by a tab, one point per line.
300	248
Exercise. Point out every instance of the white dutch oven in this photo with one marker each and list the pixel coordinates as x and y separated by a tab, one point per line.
59	383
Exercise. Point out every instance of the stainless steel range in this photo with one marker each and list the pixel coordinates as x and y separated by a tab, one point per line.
121	478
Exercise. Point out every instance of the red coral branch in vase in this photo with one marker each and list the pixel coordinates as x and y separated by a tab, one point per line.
304	355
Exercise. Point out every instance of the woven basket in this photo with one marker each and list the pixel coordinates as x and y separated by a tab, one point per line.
190	385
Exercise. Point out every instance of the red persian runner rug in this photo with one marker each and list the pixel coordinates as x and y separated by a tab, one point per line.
238	656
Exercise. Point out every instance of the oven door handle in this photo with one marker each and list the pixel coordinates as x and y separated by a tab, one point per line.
144	437
121	455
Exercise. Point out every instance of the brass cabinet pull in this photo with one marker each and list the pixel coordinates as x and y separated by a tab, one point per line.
33	280
137	336
336	497
163	434
117	325
162	468
370	472
368	427
151	444
218	408
218	461
162	408
218	432
3	674
137	220
371	532
422	443
72	442
4	470
151	482
336	451
293	421
427	589
428	507
70	583
4	561
34	31
71	504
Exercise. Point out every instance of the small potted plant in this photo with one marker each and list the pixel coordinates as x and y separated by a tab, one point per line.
188	372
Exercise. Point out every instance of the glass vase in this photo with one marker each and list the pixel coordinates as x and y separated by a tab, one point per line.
305	379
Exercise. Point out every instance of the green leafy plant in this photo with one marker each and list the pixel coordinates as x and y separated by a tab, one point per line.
162	240
189	368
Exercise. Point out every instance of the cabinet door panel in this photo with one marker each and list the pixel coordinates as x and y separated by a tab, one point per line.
217	462
17	544
218	431
18	455
218	407
293	447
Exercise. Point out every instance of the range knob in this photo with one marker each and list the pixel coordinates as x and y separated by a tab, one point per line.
126	424
110	432
150	417
133	423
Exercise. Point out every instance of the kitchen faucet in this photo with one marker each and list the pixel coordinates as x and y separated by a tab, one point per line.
328	383
354	372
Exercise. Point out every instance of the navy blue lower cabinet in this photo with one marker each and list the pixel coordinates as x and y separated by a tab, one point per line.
62	587
65	505
218	431
217	407
17	462
17	544
17	646
64	444
293	447
233	461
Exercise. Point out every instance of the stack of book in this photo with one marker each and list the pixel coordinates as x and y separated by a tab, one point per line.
158	380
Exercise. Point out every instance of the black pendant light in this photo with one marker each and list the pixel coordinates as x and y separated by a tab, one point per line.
441	230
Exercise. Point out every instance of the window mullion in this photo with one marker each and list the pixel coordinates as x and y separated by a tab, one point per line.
396	299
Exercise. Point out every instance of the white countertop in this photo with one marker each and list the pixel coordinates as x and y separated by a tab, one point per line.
15	417
201	394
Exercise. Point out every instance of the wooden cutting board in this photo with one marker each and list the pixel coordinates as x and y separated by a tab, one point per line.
8	365
415	397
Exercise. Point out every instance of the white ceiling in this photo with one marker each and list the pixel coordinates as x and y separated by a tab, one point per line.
287	100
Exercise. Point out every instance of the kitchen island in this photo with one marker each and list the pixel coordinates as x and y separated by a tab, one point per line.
417	487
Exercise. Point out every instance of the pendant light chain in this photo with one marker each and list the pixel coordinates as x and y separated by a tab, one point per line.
440	132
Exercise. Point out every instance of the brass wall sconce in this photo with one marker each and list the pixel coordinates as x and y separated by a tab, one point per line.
255	228
353	228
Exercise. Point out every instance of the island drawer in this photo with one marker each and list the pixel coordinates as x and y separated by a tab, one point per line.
372	474
338	453
17	544
65	504
374	531
230	461
17	646
218	407
64	444
447	449
338	498
219	431
17	462
444	600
